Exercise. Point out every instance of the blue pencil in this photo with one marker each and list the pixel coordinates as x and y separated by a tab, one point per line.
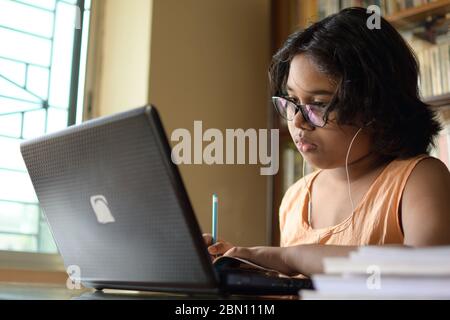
215	202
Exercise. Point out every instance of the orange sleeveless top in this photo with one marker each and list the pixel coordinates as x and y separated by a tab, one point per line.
375	221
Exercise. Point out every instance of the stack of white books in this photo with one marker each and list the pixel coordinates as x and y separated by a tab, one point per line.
385	272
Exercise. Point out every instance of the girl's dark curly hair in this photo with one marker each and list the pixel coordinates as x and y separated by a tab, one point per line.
377	80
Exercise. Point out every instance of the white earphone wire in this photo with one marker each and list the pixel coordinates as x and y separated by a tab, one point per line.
346	170
348	180
309	192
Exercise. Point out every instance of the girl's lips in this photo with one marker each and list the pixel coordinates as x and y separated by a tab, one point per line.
305	146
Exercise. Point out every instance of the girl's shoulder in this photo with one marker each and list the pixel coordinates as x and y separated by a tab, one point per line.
428	171
425	204
417	169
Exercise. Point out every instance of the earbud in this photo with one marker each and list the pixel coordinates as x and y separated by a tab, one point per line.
369	123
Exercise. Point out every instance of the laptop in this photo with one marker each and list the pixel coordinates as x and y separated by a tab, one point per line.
120	215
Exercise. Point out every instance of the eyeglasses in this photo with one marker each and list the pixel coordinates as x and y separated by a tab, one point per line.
315	114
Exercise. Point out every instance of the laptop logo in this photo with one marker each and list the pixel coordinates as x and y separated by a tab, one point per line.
101	209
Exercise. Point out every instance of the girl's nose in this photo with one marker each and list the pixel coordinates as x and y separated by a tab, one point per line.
301	123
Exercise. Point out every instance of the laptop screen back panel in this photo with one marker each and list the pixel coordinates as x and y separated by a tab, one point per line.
109	196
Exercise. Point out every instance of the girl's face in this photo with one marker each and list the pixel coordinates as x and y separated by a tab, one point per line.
326	147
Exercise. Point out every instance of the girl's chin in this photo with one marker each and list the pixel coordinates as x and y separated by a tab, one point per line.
316	160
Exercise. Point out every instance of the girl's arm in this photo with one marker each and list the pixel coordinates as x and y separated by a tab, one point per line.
426	205
425	219
301	259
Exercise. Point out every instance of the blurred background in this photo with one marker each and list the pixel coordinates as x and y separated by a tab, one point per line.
66	61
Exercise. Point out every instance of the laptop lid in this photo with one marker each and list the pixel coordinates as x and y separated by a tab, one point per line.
117	206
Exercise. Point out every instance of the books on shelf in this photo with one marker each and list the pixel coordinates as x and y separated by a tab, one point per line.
388	7
385	272
433	54
434	63
327	7
442	148
394	6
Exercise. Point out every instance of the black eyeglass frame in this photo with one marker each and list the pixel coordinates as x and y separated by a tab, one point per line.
302	108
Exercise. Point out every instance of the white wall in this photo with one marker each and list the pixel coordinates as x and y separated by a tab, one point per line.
125	55
208	61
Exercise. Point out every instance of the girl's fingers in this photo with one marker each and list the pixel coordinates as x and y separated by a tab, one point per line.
216	248
219	248
207	237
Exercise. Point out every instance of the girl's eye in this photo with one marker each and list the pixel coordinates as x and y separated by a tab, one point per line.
293	99
318	104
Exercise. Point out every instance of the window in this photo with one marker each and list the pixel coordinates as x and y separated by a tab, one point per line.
42	61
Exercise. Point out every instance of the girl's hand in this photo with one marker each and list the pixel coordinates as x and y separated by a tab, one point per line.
218	248
268	257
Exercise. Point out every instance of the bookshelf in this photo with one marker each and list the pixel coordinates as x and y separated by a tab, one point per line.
442	100
416	14
412	18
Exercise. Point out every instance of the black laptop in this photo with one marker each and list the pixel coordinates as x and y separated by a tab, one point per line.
119	212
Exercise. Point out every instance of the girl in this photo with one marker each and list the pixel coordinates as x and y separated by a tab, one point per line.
350	97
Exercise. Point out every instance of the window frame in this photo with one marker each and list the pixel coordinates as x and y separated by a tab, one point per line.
53	262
